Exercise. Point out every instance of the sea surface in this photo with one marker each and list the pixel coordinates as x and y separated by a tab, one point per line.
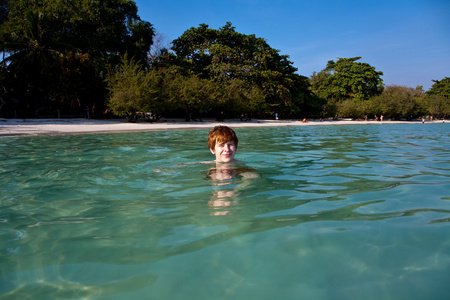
310	212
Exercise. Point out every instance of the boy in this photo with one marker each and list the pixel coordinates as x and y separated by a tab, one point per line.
223	142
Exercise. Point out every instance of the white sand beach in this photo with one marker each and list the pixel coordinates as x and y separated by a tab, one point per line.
20	127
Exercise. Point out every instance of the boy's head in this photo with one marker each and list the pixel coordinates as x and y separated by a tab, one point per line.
223	142
221	134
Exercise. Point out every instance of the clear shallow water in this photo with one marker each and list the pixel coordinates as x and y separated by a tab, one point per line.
336	212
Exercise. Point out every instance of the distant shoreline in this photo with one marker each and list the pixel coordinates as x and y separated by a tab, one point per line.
29	127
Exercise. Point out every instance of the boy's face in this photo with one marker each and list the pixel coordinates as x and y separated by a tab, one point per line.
224	151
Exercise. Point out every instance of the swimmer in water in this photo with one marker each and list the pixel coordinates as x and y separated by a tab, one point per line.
223	142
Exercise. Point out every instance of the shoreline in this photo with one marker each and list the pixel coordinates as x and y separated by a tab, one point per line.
32	127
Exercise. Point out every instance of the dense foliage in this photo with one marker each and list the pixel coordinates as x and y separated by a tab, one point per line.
60	57
355	90
258	79
440	88
57	51
225	55
396	102
223	73
171	92
347	79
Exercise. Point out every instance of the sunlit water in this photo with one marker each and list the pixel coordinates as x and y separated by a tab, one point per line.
336	212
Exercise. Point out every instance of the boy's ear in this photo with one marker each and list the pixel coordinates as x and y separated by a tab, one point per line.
212	151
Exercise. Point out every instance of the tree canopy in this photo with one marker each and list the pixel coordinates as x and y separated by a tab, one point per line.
440	88
224	73
225	55
61	56
57	51
347	79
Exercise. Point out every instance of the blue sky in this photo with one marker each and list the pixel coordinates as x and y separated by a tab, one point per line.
409	41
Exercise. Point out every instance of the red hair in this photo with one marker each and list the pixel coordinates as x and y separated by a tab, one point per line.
221	134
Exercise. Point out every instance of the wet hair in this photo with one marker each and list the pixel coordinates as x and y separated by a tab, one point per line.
221	134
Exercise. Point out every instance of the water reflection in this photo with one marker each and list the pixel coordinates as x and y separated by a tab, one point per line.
228	179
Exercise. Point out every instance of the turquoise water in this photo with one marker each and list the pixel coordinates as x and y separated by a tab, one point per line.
334	212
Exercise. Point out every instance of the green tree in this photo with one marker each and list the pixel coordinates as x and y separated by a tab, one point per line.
347	79
191	94
441	88
399	102
241	98
43	40
438	106
225	55
132	90
31	62
352	108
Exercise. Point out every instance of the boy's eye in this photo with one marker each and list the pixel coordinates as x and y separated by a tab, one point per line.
221	145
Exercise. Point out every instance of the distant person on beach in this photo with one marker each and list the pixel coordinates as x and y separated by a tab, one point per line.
87	113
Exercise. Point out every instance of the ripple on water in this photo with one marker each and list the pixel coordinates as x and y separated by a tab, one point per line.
337	212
